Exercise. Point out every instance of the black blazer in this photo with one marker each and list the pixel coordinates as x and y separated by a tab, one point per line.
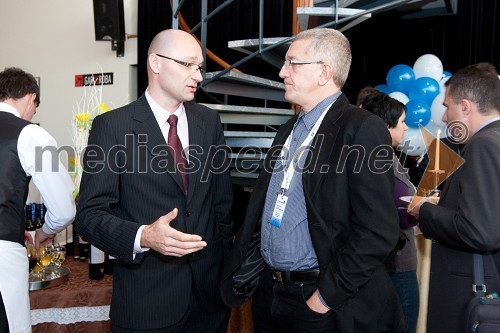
129	181
352	218
466	220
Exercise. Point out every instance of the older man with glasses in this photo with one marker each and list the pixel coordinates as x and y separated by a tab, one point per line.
323	207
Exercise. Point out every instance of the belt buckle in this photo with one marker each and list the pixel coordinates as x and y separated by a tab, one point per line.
278	277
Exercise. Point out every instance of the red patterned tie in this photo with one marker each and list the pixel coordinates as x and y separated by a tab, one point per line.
176	147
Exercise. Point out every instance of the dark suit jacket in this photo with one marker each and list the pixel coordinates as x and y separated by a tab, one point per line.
466	220
352	218
130	181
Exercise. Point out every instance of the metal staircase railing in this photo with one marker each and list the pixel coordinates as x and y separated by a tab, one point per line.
336	21
249	131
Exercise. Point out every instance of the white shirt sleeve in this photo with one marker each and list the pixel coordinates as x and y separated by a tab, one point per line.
137	242
39	158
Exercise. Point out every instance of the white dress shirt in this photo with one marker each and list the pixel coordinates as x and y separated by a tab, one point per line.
55	185
161	116
56	189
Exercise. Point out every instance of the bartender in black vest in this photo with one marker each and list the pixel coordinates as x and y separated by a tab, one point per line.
20	141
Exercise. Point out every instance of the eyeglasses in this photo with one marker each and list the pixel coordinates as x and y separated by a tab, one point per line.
288	63
192	66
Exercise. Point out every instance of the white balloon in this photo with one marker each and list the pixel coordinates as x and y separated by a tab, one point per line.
413	143
428	65
434	128
399	96
438	110
442	88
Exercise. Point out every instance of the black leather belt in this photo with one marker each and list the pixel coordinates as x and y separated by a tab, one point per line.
294	277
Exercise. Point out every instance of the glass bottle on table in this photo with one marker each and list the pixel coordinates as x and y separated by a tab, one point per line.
70	245
109	264
96	263
83	249
31	253
29	226
37	215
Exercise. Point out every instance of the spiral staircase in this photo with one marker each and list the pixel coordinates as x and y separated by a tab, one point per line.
249	130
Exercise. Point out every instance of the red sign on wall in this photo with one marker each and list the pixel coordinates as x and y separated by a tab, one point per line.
93	79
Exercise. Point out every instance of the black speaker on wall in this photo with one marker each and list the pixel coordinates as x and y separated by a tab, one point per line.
109	20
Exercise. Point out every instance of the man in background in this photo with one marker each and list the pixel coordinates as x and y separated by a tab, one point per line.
466	220
363	93
21	145
156	194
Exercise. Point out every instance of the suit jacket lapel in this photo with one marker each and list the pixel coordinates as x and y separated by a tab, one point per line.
196	135
322	147
146	129
274	152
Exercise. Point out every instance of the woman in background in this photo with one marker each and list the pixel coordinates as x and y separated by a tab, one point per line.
402	263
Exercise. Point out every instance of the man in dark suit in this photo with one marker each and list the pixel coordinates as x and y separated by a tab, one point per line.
466	220
165	214
328	224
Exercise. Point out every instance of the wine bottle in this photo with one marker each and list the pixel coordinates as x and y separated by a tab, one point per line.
83	249
70	245
29	226
38	215
33	215
96	263
109	264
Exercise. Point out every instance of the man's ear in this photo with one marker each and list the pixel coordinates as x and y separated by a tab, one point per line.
153	62
466	106
326	74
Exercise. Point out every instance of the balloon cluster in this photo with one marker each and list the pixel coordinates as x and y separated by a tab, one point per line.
421	89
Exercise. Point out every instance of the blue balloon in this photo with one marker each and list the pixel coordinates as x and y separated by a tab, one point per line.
446	74
400	78
425	88
383	88
418	112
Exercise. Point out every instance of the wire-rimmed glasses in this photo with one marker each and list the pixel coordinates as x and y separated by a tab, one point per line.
191	65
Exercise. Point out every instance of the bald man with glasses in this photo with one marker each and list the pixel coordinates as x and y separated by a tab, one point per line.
156	194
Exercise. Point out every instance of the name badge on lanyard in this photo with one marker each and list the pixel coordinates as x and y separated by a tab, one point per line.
279	210
281	200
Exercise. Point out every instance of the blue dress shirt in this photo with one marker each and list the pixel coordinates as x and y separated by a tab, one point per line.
289	247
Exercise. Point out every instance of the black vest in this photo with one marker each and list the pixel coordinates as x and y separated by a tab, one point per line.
13	180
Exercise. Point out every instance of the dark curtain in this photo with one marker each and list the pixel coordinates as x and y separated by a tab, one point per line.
470	36
239	20
153	16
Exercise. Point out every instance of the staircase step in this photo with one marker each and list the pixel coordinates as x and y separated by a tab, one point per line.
331	3
245	179
242	109
245	134
244	174
247	156
275	56
248	115
239	84
303	14
239	139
